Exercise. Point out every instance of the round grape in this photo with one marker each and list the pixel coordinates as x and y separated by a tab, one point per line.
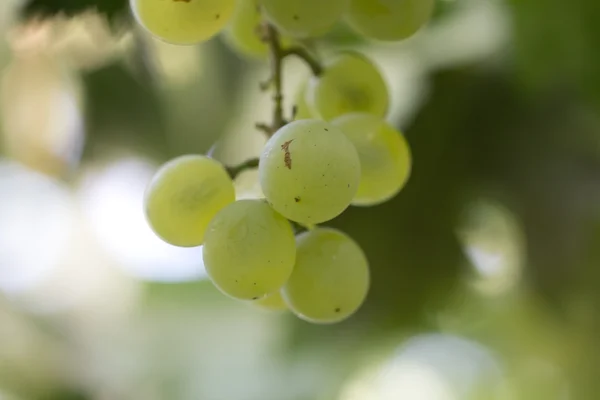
183	21
385	158
241	34
249	251
389	20
304	18
184	195
330	279
309	171
349	83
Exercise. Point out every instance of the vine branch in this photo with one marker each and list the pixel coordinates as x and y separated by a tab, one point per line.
300	52
277	55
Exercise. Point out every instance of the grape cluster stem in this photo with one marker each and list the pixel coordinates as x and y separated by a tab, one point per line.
277	54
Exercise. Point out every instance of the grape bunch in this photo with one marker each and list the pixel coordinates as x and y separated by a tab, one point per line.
335	151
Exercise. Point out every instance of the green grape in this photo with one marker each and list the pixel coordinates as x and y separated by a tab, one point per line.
349	83
272	302
183	21
304	18
385	159
309	171
303	111
389	20
241	33
184	195
249	251
330	279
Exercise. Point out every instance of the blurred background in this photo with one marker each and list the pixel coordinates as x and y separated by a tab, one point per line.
485	269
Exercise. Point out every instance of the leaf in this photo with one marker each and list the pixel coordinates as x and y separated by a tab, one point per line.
556	44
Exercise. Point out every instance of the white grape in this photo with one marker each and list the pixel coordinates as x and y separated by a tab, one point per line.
183	21
249	250
184	195
385	158
304	18
309	171
389	20
242	32
330	279
349	83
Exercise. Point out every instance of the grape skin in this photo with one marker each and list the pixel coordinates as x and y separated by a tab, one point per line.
349	83
330	279
385	157
184	195
183	21
272	302
241	33
304	18
309	171
303	111
389	20
249	251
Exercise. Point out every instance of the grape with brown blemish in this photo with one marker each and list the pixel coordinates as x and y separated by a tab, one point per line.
323	178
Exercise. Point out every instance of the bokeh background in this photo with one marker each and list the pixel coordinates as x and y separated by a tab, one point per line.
485	269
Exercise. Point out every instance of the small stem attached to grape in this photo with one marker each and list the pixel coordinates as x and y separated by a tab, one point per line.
264	128
238	169
300	52
277	54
